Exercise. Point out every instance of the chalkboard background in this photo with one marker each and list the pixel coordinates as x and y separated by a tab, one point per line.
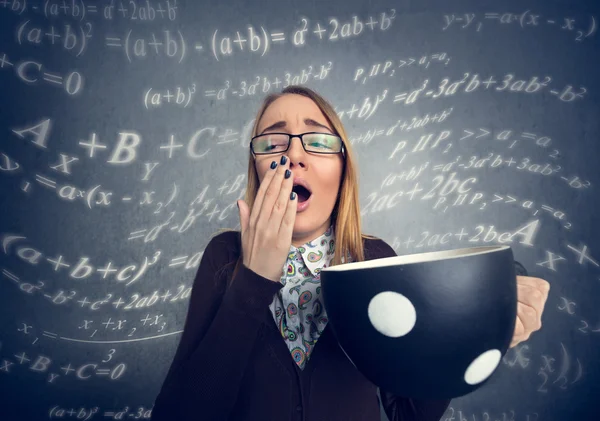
124	130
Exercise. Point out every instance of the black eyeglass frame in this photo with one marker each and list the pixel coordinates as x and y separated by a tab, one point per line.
300	136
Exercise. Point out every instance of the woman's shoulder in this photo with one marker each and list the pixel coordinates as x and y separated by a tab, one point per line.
220	254
224	244
376	247
224	235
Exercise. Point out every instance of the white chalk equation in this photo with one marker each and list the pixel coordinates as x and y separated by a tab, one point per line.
509	83
389	67
126	149
477	234
467	84
508	415
568	306
97	197
172	44
569	372
579	29
452	193
81	413
34	73
150	325
182	96
253	40
85	414
72	39
83	269
488	233
136	12
495	160
446	139
402	125
56	371
262	85
462	196
62	297
182	225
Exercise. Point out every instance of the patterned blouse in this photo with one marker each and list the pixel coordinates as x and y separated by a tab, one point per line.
297	308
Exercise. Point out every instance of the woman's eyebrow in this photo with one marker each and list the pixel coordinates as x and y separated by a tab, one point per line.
307	121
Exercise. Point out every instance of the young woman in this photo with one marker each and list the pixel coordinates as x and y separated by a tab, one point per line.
256	344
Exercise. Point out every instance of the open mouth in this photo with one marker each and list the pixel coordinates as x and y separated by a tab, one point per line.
302	192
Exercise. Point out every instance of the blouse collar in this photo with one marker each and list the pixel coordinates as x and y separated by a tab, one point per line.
317	253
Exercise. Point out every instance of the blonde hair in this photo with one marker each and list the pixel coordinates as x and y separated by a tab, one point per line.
345	217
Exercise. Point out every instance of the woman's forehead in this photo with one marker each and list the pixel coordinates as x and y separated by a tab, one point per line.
295	109
291	106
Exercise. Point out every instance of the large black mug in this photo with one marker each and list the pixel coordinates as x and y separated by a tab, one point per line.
429	325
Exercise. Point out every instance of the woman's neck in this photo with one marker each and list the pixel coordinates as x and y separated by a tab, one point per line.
301	238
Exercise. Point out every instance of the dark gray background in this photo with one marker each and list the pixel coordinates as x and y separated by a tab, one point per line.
52	315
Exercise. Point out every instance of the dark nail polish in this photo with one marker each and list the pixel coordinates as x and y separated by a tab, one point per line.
288	173
273	165
283	160
292	195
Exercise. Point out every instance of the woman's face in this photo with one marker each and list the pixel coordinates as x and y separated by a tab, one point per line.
297	114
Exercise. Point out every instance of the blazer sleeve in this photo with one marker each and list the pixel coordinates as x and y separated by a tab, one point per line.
220	331
398	408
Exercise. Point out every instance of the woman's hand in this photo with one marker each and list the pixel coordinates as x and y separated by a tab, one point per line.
532	294
267	230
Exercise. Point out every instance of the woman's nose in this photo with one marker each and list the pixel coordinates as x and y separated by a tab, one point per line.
296	150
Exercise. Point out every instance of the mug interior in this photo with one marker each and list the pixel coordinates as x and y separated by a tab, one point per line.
418	258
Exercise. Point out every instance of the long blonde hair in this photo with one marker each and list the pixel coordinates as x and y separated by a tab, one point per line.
345	216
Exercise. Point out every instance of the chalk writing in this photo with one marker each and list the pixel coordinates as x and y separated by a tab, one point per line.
263	85
42	364
389	67
508	83
510	415
116	326
182	97
172	43
78	413
135	301
525	20
126	150
34	73
569	367
82	269
366	109
259	40
71	41
148	11
139	413
403	125
480	234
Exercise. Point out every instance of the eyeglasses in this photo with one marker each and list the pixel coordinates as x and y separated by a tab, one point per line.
314	142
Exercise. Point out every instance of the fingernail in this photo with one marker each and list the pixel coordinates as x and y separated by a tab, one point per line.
273	165
283	160
288	173
292	195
